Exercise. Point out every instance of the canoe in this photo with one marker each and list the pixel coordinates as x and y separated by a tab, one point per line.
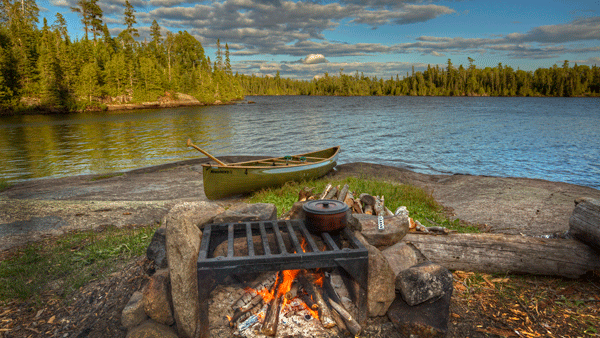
243	177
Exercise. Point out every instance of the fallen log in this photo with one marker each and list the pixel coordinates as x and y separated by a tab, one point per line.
584	223
502	253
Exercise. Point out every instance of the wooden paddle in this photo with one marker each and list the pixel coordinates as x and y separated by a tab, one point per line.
190	144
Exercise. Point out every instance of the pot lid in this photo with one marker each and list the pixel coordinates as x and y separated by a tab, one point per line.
325	207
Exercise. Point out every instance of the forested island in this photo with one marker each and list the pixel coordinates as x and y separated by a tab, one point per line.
42	69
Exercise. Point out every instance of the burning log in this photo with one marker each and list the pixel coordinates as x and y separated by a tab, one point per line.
307	300
252	296
313	290
292	293
269	327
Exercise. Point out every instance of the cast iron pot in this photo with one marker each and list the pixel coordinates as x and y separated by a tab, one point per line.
325	215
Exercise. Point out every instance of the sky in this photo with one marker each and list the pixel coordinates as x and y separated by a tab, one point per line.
303	39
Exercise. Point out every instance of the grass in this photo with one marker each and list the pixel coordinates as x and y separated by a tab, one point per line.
4	185
420	204
69	262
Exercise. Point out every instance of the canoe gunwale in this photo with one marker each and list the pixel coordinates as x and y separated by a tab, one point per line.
245	165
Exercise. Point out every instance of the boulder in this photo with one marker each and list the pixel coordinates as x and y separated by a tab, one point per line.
381	282
150	329
157	304
133	314
183	245
400	256
157	250
395	228
296	212
428	319
423	282
584	223
243	212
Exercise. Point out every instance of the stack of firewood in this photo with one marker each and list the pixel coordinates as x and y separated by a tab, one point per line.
260	307
366	204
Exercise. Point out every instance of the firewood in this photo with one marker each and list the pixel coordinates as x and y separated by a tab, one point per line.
249	296
351	324
368	209
357	207
339	322
307	300
326	191
292	293
343	193
305	194
331	194
313	290
349	200
269	327
367	199
336	303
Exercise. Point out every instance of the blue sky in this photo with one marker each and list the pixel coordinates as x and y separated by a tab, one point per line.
383	38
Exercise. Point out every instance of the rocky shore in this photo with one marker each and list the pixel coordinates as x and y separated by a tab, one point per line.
33	209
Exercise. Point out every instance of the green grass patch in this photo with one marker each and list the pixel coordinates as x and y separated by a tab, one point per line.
4	185
68	262
420	204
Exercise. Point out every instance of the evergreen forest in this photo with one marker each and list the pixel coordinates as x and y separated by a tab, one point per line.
564	81
42	69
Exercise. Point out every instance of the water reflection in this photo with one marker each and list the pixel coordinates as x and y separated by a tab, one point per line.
554	139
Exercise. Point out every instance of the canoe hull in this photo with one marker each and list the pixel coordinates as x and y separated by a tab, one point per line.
240	178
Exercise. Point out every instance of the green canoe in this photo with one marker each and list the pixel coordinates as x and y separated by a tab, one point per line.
237	178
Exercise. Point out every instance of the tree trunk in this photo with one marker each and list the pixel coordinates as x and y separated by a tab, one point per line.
501	253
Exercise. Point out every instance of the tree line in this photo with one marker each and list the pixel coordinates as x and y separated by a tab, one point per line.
564	81
44	68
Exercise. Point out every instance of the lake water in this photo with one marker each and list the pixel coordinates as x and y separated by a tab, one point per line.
556	139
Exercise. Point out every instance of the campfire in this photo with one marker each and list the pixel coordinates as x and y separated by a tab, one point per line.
291	302
323	289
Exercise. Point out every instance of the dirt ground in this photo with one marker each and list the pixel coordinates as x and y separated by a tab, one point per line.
482	305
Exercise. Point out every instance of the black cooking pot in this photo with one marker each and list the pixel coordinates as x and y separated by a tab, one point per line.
326	215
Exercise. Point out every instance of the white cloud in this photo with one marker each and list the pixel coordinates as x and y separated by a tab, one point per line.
314	58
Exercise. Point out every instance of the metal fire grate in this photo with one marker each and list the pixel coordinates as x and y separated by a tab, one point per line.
279	248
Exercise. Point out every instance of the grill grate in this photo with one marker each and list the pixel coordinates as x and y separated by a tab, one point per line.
279	248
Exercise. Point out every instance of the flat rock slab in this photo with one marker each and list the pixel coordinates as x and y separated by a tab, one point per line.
506	205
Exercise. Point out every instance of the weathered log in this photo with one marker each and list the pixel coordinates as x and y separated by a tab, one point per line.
502	253
584	223
349	200
343	193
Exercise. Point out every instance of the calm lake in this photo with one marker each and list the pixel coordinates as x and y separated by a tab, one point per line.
556	139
